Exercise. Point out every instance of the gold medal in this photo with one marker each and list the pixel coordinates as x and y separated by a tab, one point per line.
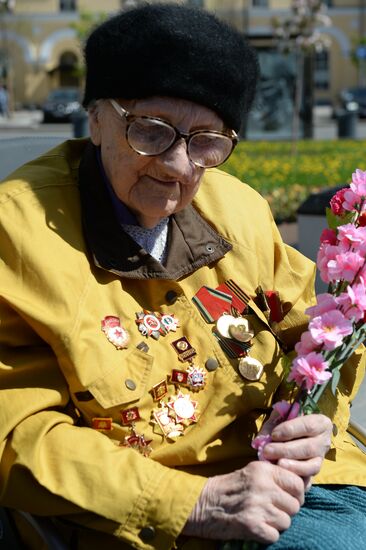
250	368
237	328
240	331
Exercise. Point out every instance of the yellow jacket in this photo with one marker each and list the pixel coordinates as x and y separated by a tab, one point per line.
64	266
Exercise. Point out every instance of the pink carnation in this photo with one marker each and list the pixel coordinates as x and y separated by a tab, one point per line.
326	302
358	184
328	236
357	193
351	201
330	329
345	266
353	302
326	254
352	236
336	202
306	344
309	370
286	410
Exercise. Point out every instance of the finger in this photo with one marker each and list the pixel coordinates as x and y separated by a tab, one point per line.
303	468
263	533
303	426
280	521
287	503
290	483
308	482
299	449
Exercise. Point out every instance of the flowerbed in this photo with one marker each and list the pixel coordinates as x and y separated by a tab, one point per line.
286	180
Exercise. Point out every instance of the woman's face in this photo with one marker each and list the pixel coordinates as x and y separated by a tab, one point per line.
151	187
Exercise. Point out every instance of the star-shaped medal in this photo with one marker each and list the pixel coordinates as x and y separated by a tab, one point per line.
149	324
169	322
183	408
139	443
196	378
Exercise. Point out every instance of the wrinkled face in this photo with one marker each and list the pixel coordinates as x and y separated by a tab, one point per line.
152	187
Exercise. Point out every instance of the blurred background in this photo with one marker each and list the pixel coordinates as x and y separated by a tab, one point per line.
40	52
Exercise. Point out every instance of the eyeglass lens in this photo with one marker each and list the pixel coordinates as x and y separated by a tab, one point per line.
150	136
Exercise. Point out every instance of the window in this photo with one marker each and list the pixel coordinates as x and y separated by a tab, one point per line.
260	3
321	70
68	5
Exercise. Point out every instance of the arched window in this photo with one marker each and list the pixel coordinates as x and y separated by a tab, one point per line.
68	5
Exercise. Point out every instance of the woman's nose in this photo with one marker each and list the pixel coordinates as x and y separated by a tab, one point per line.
176	160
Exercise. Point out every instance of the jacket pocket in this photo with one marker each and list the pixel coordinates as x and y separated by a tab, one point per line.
125	382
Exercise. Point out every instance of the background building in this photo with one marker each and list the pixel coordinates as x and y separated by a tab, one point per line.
40	49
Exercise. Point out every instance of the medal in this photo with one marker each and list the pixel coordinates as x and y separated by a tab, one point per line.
250	368
183	348
240	331
196	378
129	416
134	440
149	324
240	299
179	377
137	442
159	391
154	325
169	322
114	332
102	424
169	426
229	326
183	408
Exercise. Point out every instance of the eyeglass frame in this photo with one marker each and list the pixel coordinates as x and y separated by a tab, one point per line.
187	136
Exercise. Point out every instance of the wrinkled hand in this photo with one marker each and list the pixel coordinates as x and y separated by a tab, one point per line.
257	502
299	445
253	503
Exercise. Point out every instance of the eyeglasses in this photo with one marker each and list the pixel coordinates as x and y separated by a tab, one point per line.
152	136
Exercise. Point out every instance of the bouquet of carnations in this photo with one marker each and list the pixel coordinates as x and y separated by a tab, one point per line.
337	324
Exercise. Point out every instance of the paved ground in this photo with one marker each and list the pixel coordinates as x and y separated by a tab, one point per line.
28	123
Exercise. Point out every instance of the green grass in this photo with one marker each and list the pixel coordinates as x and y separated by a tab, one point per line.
286	180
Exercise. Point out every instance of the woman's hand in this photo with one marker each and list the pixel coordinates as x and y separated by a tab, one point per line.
299	445
258	501
253	503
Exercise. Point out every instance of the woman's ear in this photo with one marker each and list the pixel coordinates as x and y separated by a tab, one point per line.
94	125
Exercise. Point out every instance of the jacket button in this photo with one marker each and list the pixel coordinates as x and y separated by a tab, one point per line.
210	249
211	364
335	430
147	533
130	384
171	296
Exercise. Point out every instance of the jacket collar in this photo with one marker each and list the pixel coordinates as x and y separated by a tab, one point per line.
193	243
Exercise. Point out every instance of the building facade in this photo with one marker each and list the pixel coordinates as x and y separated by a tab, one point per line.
40	45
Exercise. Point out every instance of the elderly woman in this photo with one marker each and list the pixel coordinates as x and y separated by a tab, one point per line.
138	355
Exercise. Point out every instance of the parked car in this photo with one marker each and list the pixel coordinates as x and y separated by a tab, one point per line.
61	104
350	96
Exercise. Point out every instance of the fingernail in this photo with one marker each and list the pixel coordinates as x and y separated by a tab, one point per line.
268	451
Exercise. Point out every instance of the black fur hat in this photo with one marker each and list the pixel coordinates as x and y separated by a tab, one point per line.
172	50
